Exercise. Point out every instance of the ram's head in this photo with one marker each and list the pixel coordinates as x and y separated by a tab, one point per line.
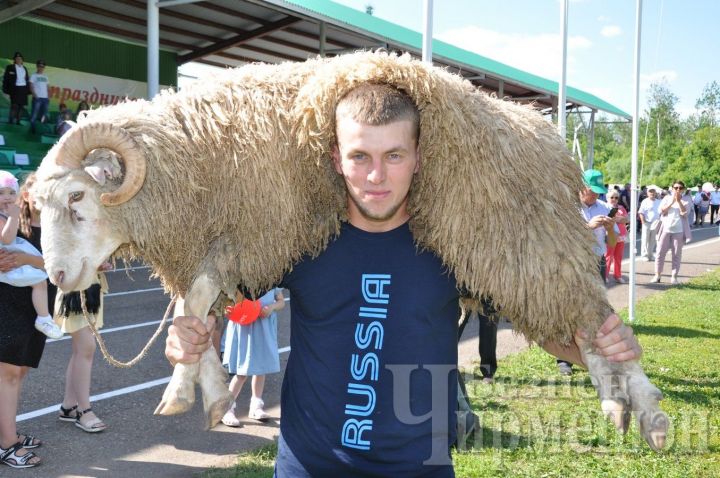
92	169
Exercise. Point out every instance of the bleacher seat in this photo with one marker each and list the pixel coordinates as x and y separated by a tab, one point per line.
7	157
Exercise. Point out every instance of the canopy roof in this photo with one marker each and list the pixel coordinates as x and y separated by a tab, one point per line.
229	33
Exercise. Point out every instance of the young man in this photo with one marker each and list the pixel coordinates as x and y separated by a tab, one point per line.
39	90
371	384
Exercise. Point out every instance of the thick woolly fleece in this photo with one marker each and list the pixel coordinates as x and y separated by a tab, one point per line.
239	171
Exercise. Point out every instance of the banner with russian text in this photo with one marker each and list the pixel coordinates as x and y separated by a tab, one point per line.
71	87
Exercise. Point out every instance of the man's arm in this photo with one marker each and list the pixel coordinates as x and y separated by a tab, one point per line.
614	340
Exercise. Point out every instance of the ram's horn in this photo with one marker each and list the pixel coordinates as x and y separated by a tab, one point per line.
80	140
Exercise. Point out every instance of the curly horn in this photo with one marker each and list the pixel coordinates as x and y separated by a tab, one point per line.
80	140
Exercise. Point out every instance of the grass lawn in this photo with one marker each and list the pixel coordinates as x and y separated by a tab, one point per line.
535	423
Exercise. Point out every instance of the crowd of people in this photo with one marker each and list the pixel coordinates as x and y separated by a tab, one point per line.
19	84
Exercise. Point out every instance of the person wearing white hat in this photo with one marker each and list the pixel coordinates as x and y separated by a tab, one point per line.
649	214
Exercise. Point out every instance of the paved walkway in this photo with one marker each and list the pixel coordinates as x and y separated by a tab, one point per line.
699	256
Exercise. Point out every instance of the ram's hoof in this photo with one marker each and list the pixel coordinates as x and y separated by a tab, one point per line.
179	397
618	412
215	410
653	427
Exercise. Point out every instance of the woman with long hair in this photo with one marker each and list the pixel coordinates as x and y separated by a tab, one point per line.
21	345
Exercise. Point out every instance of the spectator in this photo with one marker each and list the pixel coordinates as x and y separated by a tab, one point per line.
26	275
487	339
614	254
16	84
604	228
674	231
649	215
715	204
696	203
688	198
625	196
75	406
252	350
39	91
21	345
64	123
82	106
702	201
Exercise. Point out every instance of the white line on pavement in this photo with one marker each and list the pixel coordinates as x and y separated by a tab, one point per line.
102	396
115	294
129	269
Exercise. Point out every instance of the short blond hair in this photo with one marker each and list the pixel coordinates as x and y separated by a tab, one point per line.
378	104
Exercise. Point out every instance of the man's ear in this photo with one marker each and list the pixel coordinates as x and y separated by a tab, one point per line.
337	161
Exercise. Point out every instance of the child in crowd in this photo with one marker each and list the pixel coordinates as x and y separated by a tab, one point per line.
252	350
25	275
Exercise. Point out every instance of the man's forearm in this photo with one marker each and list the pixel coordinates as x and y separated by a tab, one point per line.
569	353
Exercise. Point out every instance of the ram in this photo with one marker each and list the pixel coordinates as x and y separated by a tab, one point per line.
205	185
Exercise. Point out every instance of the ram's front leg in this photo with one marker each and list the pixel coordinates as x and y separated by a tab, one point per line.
179	394
623	387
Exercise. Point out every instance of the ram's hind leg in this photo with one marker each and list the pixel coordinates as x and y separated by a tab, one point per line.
624	387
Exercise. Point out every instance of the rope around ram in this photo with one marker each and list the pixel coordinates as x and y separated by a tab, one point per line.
90	319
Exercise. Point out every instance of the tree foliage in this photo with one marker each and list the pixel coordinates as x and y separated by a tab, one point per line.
669	147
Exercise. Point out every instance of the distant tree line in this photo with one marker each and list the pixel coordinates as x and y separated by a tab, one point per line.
669	147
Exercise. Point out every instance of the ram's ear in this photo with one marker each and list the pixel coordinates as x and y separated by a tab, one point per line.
104	169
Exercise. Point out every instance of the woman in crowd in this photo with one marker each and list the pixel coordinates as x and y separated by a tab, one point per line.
21	345
673	232
614	254
75	406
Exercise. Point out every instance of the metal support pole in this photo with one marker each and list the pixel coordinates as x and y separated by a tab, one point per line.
427	31
591	141
501	89
323	39
562	129
633	173
153	48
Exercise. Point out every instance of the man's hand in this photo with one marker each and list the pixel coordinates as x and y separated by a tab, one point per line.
614	340
600	221
187	339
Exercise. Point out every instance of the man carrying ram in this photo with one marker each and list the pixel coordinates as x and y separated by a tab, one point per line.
366	312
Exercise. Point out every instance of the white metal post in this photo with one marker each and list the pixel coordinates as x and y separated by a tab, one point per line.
562	129
427	31
633	171
153	48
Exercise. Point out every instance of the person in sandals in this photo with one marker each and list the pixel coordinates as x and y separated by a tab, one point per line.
75	406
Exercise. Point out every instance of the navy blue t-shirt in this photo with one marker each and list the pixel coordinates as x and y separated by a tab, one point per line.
366	313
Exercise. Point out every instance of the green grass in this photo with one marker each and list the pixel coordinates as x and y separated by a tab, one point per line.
535	423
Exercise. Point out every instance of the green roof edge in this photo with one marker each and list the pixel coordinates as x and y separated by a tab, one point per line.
404	36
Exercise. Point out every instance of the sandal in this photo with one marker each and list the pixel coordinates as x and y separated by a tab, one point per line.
29	441
67	415
93	426
11	458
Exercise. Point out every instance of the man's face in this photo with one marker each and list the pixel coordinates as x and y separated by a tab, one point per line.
588	197
652	194
18	60
378	164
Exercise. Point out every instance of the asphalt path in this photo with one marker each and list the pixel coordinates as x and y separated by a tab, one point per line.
138	443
